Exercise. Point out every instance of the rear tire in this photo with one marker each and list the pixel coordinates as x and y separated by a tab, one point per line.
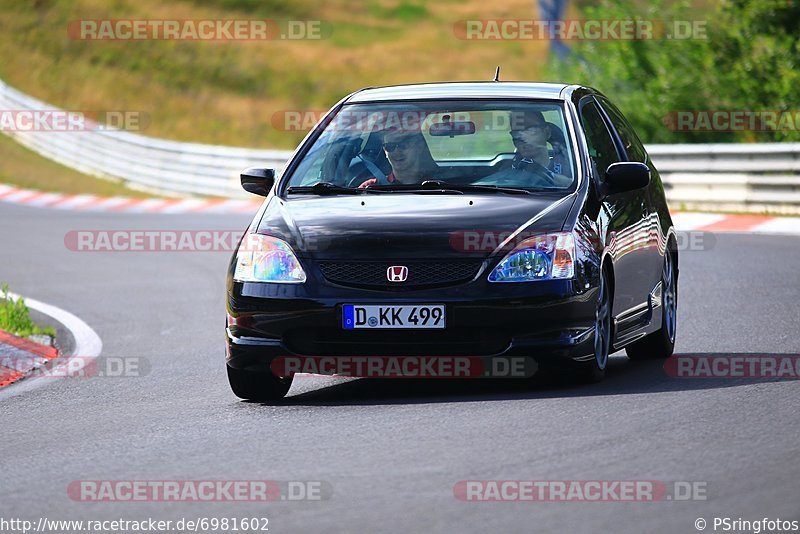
257	385
595	369
661	344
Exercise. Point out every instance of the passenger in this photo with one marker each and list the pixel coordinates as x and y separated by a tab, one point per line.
530	134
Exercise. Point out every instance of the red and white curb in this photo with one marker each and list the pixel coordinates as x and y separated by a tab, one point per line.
21	356
40	199
721	223
88	347
684	221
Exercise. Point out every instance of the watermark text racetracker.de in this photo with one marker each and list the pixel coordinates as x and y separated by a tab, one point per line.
406	366
741	120
157	240
366	121
580	490
78	366
749	366
477	240
253	523
197	29
579	30
199	490
60	120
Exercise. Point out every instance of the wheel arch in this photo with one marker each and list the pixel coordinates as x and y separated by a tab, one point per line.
607	266
671	245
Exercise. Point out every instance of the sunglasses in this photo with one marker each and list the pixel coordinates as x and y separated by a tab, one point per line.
392	146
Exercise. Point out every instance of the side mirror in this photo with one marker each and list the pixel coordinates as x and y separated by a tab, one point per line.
626	176
258	181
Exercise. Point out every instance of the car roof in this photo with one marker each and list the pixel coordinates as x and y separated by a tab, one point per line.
423	91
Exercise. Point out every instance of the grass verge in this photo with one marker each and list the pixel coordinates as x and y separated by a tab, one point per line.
15	317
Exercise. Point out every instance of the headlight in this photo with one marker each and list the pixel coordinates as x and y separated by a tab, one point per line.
544	257
261	258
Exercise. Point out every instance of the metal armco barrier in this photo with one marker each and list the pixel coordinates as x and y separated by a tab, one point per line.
731	177
718	177
141	161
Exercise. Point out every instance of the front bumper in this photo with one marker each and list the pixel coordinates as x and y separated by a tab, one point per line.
549	321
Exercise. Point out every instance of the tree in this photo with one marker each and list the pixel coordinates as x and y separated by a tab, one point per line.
747	60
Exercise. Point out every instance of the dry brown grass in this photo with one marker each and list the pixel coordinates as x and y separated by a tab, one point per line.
226	93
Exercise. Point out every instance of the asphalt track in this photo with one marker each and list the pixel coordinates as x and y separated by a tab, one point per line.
391	451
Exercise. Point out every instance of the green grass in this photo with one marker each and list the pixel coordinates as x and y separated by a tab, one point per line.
264	8
15	317
405	11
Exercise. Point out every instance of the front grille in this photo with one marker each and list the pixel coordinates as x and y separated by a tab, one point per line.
373	274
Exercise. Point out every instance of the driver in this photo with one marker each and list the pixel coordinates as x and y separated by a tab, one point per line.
530	134
409	156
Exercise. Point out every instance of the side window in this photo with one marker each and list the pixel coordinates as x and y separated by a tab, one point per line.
601	146
633	146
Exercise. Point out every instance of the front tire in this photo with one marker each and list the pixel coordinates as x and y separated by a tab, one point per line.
661	344
595	369
262	386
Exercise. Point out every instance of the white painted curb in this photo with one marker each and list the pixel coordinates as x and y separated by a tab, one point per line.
88	346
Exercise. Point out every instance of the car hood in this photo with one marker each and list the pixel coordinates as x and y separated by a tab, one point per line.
405	225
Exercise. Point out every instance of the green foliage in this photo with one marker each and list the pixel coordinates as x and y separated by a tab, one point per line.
749	61
15	317
266	8
405	11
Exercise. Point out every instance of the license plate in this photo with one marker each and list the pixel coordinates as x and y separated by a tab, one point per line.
406	316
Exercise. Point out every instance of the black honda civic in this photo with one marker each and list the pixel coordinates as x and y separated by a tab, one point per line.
463	224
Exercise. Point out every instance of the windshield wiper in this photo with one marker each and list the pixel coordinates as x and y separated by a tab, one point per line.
429	186
325	188
463	188
439	186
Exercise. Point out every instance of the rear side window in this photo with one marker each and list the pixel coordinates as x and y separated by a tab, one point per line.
633	146
602	151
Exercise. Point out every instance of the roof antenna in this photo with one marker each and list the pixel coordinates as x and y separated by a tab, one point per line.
497	74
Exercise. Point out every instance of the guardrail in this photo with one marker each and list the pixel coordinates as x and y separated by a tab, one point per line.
718	177
140	161
755	178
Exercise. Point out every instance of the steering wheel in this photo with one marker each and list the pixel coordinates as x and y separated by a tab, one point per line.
539	170
360	176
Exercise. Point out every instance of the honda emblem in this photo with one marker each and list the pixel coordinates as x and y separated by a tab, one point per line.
397	273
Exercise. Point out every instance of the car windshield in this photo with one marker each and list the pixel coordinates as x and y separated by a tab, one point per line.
482	146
